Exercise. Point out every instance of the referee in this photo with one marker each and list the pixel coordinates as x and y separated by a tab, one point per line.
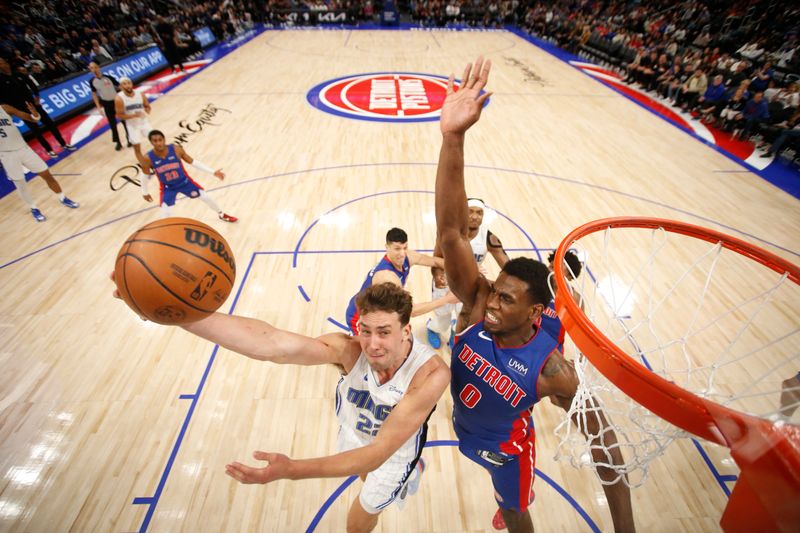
104	93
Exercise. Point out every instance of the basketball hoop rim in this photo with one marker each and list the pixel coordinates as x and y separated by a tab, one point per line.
669	401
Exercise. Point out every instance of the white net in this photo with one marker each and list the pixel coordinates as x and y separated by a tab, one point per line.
706	318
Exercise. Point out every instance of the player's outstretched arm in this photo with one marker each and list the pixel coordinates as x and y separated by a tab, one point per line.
197	164
496	249
407	417
259	340
559	381
30	117
417	258
461	109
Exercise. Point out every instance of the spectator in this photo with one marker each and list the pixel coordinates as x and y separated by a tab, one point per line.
754	113
99	54
713	100
691	90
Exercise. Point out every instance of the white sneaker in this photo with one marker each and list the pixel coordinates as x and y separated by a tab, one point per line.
412	485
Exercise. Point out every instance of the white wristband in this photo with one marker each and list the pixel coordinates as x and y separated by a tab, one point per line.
199	165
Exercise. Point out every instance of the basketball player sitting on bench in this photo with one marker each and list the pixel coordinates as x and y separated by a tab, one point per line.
165	160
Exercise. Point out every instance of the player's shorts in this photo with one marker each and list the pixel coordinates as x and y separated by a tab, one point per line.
24	157
138	130
512	475
385	484
188	188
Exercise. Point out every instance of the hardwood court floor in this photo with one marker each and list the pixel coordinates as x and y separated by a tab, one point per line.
90	396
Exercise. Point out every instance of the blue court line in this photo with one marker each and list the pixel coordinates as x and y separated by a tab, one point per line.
152	502
437	443
787	183
186	397
372	165
303	293
400	191
338	324
713	469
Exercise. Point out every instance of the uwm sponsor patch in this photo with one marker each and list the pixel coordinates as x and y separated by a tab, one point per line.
385	97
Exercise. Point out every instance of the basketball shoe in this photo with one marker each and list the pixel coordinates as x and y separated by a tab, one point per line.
69	203
227	218
412	485
38	215
498	522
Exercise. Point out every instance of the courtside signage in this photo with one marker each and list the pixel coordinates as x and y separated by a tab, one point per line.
382	96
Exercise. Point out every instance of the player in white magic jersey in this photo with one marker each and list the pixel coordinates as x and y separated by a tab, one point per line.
389	388
132	107
483	242
16	156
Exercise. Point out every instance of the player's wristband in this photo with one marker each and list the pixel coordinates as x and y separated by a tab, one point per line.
202	166
36	117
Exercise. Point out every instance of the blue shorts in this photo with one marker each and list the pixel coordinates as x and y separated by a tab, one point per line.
513	479
187	188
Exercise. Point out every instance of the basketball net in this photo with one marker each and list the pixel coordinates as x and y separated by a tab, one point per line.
702	333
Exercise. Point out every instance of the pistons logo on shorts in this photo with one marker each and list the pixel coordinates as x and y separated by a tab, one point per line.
384	97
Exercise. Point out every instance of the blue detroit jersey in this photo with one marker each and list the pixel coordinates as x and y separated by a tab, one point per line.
494	388
551	324
169	169
384	264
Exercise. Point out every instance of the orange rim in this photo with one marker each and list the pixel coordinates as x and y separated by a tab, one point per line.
672	403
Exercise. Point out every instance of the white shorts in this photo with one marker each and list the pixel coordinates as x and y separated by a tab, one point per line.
385	484
138	130
24	157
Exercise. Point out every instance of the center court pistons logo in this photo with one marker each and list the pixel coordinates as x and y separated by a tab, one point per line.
382	96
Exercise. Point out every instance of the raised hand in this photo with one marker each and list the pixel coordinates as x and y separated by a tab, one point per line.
462	108
277	468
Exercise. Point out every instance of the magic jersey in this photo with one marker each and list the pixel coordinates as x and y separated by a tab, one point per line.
384	264
10	137
363	404
478	244
494	389
133	104
169	169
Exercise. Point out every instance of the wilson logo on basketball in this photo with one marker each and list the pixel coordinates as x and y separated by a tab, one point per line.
203	240
385	97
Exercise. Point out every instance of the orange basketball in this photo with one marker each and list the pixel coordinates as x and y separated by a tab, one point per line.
175	271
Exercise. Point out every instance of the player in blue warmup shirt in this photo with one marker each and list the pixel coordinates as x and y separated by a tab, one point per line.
502	364
394	268
166	161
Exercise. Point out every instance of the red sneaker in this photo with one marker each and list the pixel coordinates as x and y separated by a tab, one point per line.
498	522
227	218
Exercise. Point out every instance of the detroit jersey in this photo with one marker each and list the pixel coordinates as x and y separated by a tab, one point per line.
362	404
10	137
494	388
384	264
551	324
169	169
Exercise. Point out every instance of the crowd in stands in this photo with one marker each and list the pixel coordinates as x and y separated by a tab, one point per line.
733	65
49	40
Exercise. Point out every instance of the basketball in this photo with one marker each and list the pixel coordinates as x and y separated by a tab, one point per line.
175	271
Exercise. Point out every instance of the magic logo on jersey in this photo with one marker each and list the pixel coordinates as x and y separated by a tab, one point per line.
383	97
